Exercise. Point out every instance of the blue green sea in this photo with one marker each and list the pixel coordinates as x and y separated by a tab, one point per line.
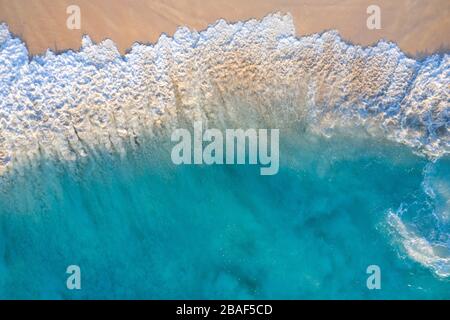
141	227
93	207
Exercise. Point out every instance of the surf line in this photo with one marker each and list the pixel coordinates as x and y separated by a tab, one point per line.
207	147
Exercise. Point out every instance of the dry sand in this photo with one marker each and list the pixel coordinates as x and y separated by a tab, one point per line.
416	25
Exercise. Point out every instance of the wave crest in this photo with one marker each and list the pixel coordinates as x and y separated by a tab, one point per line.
67	104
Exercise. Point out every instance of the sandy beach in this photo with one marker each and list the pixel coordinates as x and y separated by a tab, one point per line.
416	26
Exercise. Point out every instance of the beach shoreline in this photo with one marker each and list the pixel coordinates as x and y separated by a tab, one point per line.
417	28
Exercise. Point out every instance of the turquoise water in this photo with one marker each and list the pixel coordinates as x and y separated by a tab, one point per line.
141	227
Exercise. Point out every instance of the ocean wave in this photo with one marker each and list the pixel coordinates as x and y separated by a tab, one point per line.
422	224
65	105
432	255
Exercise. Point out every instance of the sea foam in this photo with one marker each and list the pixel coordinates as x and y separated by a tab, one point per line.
65	104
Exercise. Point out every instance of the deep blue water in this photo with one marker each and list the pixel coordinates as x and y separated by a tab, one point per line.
141	227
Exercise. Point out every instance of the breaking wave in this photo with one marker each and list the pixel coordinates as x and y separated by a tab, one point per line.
64	104
67	105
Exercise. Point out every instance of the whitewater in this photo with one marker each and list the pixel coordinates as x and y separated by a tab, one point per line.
364	155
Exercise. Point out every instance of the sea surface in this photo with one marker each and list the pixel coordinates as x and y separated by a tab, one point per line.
86	176
141	227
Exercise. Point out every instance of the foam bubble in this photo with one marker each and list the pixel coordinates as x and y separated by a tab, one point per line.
64	105
434	256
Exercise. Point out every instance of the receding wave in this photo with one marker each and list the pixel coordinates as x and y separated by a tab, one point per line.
64	104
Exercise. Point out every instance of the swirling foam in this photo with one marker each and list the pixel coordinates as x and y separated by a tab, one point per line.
66	104
422	225
430	254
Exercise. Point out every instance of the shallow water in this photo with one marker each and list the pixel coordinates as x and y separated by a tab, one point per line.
141	227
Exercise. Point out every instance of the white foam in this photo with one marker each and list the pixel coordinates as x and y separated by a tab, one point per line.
431	255
4	33
67	104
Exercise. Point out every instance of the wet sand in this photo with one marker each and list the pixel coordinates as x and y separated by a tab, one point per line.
416	26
